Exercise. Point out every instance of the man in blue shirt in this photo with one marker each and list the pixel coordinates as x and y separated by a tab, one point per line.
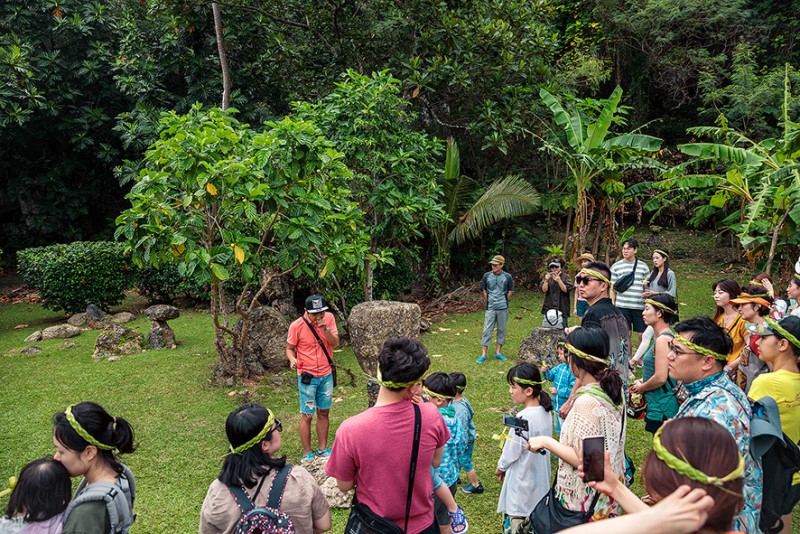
497	287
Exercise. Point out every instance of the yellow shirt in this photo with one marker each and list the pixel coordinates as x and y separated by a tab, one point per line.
784	387
737	331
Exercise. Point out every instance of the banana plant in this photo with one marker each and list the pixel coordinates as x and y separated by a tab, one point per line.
591	151
762	176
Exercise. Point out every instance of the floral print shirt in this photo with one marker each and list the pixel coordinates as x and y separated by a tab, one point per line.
717	398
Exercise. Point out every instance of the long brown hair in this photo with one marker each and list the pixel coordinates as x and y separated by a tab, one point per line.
708	447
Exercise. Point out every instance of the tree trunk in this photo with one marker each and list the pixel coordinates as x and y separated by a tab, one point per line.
774	242
368	274
223	57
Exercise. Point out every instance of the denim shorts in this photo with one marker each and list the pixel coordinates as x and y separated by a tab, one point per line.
318	395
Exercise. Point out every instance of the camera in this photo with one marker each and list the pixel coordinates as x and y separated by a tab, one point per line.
516	423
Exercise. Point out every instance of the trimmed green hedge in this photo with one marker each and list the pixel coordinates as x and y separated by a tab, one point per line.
73	275
165	284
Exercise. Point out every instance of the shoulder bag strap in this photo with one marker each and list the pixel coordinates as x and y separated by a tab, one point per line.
414	454
319	340
277	487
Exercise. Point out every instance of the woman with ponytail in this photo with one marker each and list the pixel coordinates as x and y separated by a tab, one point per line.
525	476
597	411
87	440
254	435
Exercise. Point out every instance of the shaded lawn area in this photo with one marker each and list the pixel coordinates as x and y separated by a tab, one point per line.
178	415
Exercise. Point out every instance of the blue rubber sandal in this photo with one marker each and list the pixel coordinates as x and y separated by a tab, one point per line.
459	523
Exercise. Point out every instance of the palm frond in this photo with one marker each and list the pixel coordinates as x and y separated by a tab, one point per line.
718	151
509	197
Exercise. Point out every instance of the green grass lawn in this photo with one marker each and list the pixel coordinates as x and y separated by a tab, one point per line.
179	415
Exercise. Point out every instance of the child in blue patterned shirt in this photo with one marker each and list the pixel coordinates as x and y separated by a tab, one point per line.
563	380
440	390
464	413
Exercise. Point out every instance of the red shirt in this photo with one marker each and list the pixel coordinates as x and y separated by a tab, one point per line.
310	356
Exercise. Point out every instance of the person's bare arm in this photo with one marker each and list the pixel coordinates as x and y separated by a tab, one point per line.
437	457
565	452
345	485
323	524
661	373
291	355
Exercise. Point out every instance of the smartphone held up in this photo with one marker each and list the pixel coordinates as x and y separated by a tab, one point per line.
593	458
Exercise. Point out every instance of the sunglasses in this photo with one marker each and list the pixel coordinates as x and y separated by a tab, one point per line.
584	280
278	426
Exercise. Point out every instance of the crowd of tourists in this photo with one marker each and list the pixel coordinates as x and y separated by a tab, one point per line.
712	391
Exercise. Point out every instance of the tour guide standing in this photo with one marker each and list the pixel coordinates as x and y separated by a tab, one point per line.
697	355
309	348
497	287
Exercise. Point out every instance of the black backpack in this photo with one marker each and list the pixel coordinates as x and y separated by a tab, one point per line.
780	460
267	519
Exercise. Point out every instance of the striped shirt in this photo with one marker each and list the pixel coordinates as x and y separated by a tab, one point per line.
632	298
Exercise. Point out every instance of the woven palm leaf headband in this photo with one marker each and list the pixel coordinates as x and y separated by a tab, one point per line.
592	272
394	385
661	305
434	394
82	432
258	437
777	328
661	252
685	468
527	382
697	348
584	355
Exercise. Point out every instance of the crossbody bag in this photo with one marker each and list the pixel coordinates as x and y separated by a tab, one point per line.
363	520
324	349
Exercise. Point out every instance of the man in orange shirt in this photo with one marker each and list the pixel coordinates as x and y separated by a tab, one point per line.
309	348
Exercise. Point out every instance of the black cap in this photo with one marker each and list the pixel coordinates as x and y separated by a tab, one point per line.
316	304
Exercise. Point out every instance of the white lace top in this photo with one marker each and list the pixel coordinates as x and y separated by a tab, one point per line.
592	414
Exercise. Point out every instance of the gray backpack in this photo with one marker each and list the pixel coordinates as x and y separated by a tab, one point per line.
118	499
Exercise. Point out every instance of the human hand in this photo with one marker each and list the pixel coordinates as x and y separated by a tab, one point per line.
647	294
565	408
637	387
683	510
610	480
569	329
575	312
768	286
500	475
293	363
537	443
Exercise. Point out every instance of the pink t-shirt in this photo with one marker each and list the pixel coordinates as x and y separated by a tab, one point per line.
374	449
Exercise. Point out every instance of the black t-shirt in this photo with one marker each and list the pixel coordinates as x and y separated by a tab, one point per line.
605	315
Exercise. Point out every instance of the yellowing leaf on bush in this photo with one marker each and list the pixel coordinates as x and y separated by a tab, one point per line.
238	253
177	250
324	271
211	189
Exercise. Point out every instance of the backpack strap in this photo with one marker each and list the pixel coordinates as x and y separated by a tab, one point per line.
414	454
277	487
242	499
116	501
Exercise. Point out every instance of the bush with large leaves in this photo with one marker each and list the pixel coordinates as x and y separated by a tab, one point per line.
215	196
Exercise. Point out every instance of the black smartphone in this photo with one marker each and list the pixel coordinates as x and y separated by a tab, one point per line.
515	422
593	458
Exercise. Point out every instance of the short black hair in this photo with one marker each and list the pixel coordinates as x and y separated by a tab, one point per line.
600	267
43	491
667	300
631	242
246	467
459	380
707	334
402	360
440	383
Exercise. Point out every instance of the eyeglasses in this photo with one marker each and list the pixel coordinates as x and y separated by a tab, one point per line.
676	351
278	426
584	280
